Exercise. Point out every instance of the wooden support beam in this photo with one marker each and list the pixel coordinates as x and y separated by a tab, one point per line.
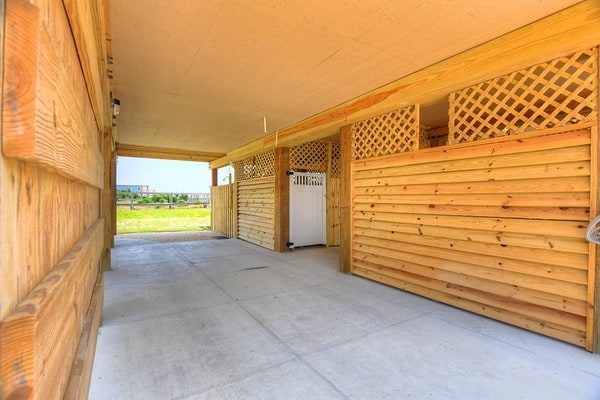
346	200
46	119
164	153
81	372
108	199
214	177
568	31
86	19
39	338
282	199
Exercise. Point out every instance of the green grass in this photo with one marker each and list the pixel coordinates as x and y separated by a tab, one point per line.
152	219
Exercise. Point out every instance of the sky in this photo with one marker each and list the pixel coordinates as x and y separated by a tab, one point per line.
164	175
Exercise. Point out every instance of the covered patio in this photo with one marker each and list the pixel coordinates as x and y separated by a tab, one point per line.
225	319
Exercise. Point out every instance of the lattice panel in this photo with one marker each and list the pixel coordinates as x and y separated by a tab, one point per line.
260	166
309	157
559	92
265	164
395	132
336	152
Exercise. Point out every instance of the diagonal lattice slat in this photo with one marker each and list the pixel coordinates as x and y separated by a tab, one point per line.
559	92
259	166
309	157
395	132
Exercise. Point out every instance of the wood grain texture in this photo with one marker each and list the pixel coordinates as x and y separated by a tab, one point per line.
48	119
224	210
570	30
163	153
497	229
87	22
333	211
346	205
256	211
78	385
38	339
282	199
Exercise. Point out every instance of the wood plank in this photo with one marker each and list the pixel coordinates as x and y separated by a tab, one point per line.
545	291
566	229
37	339
86	22
537	185
544	327
548	242
565	32
389	239
165	153
536	269
543	213
78	385
346	186
472	162
49	122
574	169
592	340
505	198
542	140
540	300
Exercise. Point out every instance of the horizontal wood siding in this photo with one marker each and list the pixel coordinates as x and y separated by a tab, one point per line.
256	211
496	228
51	173
223	201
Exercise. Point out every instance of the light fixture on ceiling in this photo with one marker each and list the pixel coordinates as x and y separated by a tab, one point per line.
265	124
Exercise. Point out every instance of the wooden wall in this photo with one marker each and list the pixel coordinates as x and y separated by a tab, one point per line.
496	228
256	211
55	112
223	200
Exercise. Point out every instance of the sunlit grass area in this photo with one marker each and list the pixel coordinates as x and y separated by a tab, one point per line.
163	219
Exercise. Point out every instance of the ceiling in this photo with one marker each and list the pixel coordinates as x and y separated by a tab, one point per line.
202	74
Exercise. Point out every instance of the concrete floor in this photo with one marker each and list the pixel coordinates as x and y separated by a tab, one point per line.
224	319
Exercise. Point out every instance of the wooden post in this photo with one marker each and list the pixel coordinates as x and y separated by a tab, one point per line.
346	200
215	176
593	323
108	195
328	214
594	275
282	199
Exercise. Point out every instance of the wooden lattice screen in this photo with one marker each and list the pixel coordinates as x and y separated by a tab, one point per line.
259	166
559	92
309	157
392	133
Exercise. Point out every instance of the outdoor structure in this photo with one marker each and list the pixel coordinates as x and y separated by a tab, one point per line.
469	181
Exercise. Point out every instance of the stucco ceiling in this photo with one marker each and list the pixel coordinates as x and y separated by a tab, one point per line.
202	74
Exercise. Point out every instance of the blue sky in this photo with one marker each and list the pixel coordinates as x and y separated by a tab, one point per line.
164	175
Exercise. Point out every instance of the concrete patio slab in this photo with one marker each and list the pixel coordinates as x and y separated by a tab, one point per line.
224	319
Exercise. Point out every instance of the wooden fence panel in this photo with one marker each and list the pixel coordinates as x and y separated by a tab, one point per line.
256	211
224	210
496	228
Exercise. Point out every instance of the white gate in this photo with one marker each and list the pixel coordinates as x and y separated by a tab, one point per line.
308	209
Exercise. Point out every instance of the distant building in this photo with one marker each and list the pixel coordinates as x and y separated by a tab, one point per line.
133	188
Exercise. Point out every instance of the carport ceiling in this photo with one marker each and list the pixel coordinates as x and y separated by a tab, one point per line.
202	74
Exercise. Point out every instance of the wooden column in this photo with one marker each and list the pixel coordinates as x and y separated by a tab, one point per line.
595	190
282	199
108	199
593	339
215	177
346	200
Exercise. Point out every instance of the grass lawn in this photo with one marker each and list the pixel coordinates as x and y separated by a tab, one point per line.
152	219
